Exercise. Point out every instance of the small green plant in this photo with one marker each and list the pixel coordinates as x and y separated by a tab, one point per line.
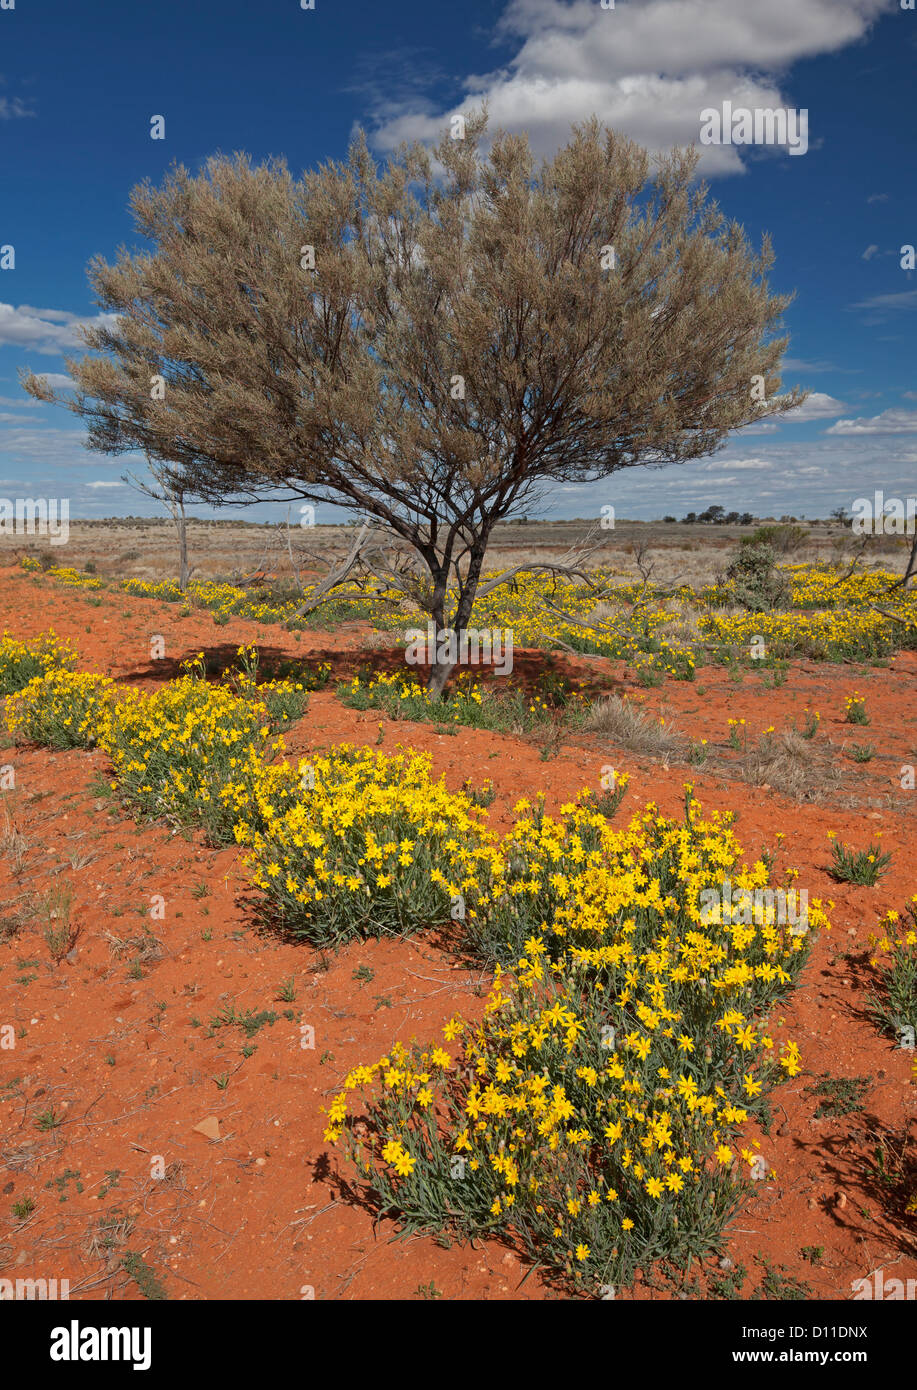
609	799
287	990
144	1277
59	933
697	752
24	1208
812	721
481	796
780	1284
855	706
363	974
862	752
861	866
839	1095
48	1119
812	1253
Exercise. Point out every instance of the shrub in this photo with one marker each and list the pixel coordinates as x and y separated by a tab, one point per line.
188	751
357	843
782	538
861	866
894	1007
753	581
21	662
594	1114
61	709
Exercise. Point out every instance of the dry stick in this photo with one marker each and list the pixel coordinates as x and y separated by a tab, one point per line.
337	576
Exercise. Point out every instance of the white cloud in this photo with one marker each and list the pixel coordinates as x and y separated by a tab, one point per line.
717	465
648	70
102	482
49	331
869	252
894	421
59	381
11	109
817	406
791	478
889	303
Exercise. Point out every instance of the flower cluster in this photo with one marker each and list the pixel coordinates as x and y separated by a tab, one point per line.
62	709
359	843
20	662
595	1113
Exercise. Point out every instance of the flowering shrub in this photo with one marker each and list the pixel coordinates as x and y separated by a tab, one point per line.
20	662
479	706
183	751
61	709
894	1007
357	843
594	1114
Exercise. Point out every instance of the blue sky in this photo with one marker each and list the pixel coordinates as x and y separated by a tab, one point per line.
79	84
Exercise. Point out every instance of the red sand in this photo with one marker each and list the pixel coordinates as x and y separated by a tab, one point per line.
265	1211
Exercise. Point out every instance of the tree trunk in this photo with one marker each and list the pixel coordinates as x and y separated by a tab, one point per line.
441	671
181	522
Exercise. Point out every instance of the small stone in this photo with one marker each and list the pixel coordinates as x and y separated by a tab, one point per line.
210	1128
841	1200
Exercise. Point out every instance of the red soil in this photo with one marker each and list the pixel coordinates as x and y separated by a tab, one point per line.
264	1211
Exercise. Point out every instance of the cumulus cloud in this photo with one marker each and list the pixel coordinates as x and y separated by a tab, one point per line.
791	478
817	406
48	331
894	421
647	70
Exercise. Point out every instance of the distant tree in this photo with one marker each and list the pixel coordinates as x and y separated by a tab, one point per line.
715	514
431	345
669	519
170	491
747	519
731	519
690	518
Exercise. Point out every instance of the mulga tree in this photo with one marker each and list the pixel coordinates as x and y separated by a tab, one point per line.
433	343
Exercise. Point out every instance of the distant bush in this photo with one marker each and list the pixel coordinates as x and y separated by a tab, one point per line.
782	538
752	579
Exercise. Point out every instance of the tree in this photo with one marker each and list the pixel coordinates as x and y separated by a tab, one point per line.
432	344
170	491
